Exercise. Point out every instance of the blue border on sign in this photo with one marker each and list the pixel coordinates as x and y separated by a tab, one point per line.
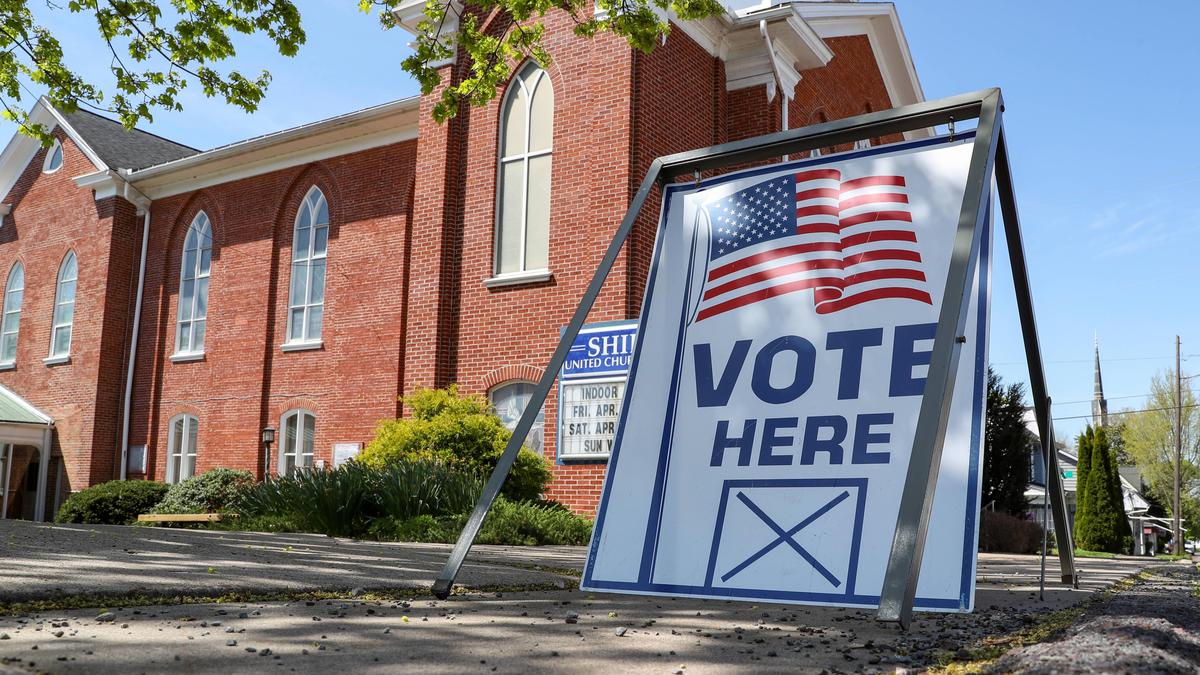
584	461
971	543
645	586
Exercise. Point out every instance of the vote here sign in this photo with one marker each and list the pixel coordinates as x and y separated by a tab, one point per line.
773	396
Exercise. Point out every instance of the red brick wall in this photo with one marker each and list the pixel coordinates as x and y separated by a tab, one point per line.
848	85
245	381
497	328
51	216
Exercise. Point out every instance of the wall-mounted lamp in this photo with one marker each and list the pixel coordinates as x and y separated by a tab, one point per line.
268	437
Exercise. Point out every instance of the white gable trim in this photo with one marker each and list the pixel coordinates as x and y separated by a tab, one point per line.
21	149
881	24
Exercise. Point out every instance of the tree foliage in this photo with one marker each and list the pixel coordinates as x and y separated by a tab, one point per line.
1100	522
1007	446
158	48
1150	442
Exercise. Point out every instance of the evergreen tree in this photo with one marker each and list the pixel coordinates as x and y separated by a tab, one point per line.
1116	520
1083	446
1007	446
1100	523
1082	465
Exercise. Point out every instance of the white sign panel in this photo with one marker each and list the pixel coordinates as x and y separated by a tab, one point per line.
589	412
773	397
344	452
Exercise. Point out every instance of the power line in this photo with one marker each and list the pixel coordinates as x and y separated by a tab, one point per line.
1117	398
1126	412
1102	360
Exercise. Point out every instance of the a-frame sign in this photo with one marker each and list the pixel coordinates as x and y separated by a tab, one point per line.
824	245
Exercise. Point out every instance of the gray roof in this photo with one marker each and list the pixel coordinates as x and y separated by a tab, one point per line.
121	148
14	409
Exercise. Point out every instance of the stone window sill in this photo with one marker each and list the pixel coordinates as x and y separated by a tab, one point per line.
187	356
517	278
57	360
302	346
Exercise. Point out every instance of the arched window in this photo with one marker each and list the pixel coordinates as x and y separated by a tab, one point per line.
509	401
181	447
14	292
306	299
523	184
296	448
54	158
64	308
193	287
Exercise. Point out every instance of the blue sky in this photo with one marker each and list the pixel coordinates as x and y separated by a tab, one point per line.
1098	106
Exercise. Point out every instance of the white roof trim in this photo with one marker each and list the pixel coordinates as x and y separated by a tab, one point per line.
21	149
352	132
83	146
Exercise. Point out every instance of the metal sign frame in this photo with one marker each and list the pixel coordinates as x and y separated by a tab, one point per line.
989	162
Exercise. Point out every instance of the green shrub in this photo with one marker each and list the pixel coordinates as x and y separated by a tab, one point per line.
508	523
407	489
459	431
210	492
425	528
334	502
529	524
116	502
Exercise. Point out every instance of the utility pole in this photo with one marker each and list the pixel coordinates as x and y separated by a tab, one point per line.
1178	547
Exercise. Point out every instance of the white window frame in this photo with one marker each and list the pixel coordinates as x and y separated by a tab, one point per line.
69	324
11	322
302	457
303	263
200	234
523	273
188	450
55	150
533	430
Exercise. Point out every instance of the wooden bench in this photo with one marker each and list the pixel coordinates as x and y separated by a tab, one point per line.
179	517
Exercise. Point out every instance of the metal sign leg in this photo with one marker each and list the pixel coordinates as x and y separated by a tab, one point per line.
916	501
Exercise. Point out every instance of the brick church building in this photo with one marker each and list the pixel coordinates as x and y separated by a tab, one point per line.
165	305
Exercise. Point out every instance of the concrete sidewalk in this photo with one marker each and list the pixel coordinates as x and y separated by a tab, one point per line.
524	631
44	561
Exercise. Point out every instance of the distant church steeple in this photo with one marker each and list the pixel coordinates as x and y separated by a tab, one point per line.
1099	404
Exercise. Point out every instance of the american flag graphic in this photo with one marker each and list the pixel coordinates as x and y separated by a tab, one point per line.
849	241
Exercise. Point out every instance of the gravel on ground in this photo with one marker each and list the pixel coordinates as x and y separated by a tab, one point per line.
1151	627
